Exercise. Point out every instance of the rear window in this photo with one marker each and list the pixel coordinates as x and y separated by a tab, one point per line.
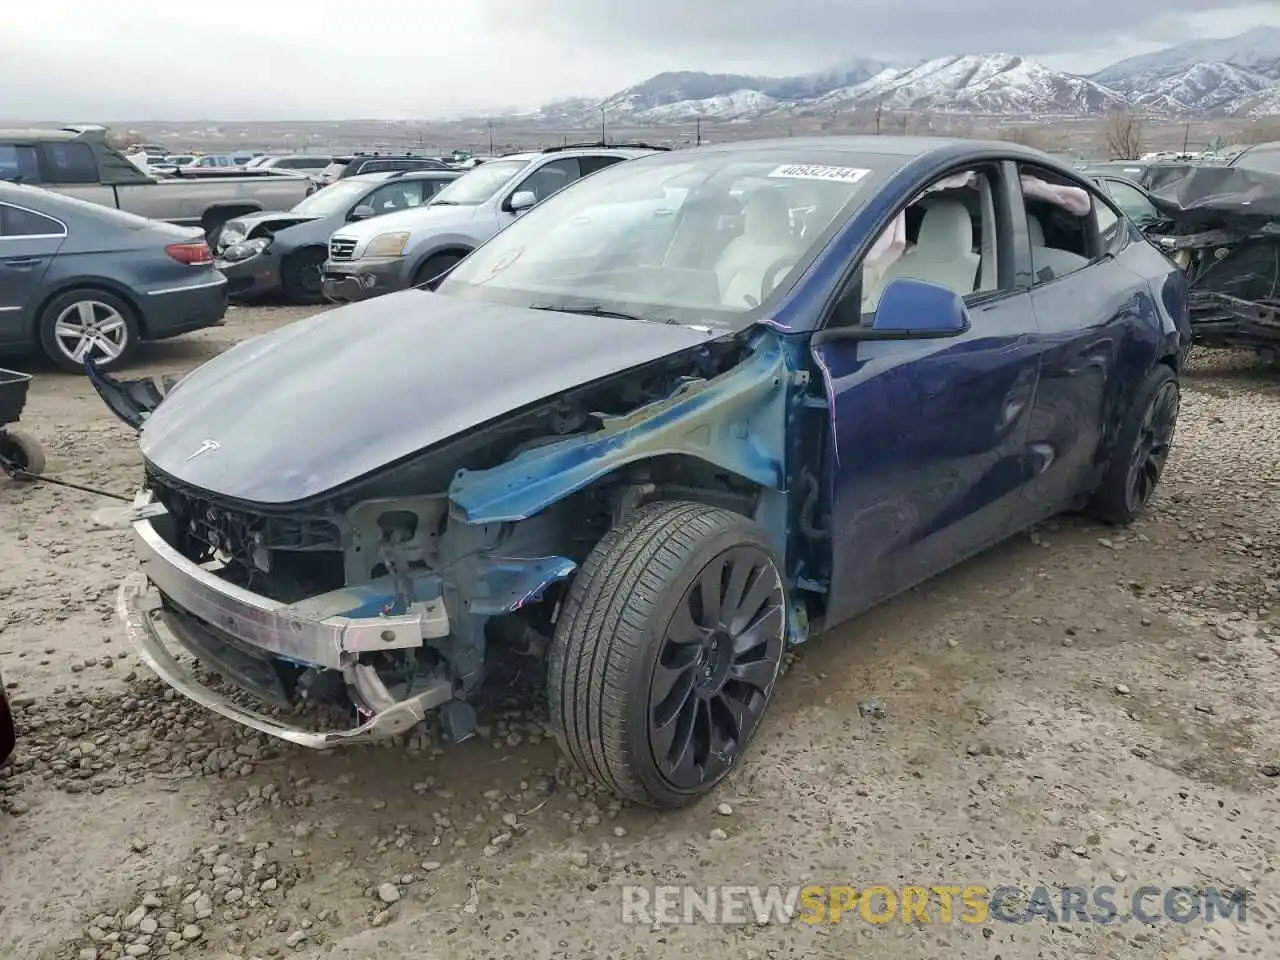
69	162
18	161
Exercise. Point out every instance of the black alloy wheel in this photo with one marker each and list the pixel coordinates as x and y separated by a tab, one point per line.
1155	438
717	664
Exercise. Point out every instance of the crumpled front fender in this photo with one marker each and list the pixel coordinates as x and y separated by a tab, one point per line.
736	421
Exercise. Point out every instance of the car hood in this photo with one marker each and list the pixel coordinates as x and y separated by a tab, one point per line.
279	218
314	405
418	219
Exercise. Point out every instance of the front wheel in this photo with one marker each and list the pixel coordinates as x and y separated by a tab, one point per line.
1142	448
301	276
667	651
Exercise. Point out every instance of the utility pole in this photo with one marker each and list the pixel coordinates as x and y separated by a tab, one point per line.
603	138
699	129
491	138
1186	137
878	108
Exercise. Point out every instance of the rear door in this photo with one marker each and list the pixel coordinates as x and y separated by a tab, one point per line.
69	167
28	243
1087	304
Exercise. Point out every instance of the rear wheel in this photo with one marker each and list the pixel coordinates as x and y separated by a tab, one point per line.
667	651
1142	448
301	276
435	266
88	324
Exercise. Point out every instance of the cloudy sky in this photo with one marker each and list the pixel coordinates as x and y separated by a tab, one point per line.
79	61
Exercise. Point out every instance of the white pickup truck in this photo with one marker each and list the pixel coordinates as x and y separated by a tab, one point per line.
79	163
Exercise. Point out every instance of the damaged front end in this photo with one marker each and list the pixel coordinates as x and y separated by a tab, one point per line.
389	596
1222	226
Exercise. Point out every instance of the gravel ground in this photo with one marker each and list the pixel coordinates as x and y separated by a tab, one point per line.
1077	706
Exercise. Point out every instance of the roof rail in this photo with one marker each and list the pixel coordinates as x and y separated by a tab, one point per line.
397	174
598	144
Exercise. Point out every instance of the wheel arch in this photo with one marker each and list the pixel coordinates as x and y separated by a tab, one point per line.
220	213
452	247
735	423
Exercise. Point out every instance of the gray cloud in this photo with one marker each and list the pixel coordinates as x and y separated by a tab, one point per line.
77	61
831	31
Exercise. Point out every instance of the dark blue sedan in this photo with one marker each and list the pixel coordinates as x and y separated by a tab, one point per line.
685	413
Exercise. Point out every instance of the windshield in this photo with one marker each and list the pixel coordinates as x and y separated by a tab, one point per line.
480	184
710	239
335	197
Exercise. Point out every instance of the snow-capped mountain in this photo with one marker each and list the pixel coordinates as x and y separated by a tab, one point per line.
737	105
1265	103
1201	88
1235	75
1256	50
976	83
688	93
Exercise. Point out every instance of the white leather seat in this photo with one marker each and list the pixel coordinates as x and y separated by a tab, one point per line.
943	253
1049	263
766	245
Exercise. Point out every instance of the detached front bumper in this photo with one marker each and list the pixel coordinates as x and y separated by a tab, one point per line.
237	633
350	282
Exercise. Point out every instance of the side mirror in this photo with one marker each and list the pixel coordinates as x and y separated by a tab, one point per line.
521	201
363	212
910	309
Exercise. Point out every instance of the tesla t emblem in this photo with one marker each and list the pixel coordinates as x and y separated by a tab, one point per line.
205	448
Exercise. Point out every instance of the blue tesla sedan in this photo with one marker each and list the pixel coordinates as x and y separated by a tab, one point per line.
685	413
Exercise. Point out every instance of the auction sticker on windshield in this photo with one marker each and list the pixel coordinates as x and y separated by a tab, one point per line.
809	171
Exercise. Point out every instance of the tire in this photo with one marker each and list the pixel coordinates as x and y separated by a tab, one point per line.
80	309
22	451
296	276
612	646
433	267
1142	448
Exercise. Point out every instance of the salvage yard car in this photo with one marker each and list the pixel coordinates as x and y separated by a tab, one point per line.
80	281
79	163
684	414
1222	225
407	249
284	251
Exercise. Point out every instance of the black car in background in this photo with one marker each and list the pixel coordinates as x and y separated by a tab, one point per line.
1131	198
262	253
358	163
79	280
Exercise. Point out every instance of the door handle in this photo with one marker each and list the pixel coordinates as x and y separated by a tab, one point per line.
23	262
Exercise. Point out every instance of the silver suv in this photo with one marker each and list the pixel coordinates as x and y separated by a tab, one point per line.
413	247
